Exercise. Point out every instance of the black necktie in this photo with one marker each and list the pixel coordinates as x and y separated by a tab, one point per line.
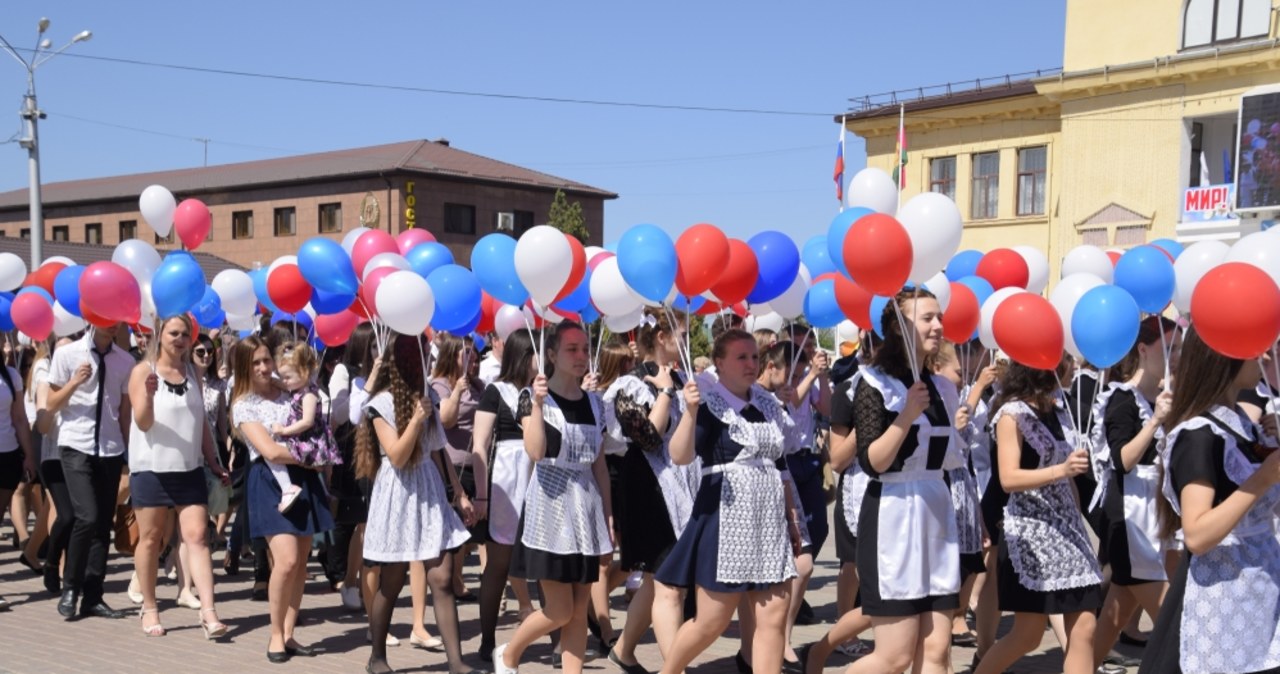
102	378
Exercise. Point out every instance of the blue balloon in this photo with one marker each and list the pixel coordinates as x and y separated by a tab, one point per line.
579	298
1173	248
425	258
66	286
208	309
982	288
302	318
1147	274
962	264
816	258
6	302
837	231
326	266
493	260
478	340
779	261
1105	324
177	285
244	334
457	296
468	327
692	305
820	307
647	260
330	303
39	291
588	314
259	277
878	304
215	321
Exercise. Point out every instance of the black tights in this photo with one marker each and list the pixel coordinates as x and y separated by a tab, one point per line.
493	587
390	583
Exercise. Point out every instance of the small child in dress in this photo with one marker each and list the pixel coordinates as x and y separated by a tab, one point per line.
306	433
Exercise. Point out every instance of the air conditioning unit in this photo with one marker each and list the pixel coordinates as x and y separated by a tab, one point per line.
506	222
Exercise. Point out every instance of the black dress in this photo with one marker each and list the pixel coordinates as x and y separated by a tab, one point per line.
847	501
1122	422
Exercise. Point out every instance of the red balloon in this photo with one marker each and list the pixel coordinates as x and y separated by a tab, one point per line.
336	329
369	291
44	276
369	244
578	270
1004	268
488	310
411	237
1115	256
192	220
702	253
962	315
1028	328
854	301
738	276
878	254
1236	309
111	292
709	308
94	319
288	289
32	315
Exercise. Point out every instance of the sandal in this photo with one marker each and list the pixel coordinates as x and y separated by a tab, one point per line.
213	630
156	630
964	639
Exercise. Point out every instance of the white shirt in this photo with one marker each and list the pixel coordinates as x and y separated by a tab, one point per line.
252	408
339	394
8	435
174	443
489	369
80	414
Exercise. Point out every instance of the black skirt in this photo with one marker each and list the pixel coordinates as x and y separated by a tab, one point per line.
11	466
644	528
532	564
149	489
350	493
846	537
1016	598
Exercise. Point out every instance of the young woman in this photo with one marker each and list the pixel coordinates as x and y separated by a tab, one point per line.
45	422
903	420
204	359
170	443
1220	612
743	536
18	457
33	367
350	493
456	382
410	517
256	404
1046	560
1131	413
566	524
502	479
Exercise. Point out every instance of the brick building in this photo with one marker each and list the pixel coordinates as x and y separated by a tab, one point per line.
265	209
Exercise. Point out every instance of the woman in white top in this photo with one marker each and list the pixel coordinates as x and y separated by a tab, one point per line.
169	444
17	456
33	364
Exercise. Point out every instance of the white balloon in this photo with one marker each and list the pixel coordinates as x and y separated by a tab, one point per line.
760	309
940	286
59	258
934	225
394	260
609	292
1088	260
508	319
147	309
1066	295
544	261
241	322
985	331
13	271
591	251
874	189
1194	262
771	321
790	304
282	260
157	206
405	302
1037	268
235	289
349	241
625	322
1260	250
139	257
65	322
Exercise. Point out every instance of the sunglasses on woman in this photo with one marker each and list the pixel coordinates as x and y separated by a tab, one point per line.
200	352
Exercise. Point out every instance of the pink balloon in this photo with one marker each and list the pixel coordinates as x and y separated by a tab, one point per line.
110	291
369	291
192	221
336	329
412	237
32	315
598	258
369	244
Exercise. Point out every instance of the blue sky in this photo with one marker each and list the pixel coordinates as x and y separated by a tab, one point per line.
743	172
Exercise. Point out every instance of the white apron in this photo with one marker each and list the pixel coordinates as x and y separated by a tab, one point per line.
918	551
1232	598
509	470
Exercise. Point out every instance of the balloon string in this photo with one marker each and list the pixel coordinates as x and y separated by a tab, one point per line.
1166	347
907	341
595	364
422	354
1275	367
795	357
682	350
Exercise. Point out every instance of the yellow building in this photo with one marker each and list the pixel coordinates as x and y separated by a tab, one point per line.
1142	120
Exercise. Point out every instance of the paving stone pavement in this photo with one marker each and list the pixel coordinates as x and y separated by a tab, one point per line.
34	638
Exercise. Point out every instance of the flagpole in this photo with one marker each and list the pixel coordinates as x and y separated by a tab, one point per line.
902	148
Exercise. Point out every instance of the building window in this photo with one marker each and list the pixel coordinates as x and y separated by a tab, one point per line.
24	233
242	225
286	221
942	176
330	218
93	233
523	222
986	185
1207	22
460	219
62	232
165	239
1131	235
128	229
1031	183
1095	237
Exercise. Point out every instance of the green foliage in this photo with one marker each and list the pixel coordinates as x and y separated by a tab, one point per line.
568	217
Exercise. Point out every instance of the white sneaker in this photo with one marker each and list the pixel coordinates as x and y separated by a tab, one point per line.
135	589
351	599
187	600
498	666
288	498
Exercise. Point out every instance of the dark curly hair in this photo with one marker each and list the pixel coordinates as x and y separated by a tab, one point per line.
401	373
891	357
1037	388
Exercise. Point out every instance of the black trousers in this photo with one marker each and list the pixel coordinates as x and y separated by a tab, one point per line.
55	485
93	482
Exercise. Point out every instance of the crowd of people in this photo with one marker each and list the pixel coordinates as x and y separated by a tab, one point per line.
964	486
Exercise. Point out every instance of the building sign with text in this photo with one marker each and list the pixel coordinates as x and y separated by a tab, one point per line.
1211	203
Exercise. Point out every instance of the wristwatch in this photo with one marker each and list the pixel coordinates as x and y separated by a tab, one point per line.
670	391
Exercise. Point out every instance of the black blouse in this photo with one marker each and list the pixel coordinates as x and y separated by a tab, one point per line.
871	420
575	412
1124	423
506	426
1199	456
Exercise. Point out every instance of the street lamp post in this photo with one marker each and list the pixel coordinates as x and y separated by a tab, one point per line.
31	114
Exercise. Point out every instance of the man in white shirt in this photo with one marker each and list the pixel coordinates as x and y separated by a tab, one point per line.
88	382
492	363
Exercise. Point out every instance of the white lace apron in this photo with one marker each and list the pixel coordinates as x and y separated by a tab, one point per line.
754	545
1043	527
918	551
509	470
563	511
679	484
1232	599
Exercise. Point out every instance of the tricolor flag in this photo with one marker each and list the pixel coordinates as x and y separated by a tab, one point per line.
900	170
838	173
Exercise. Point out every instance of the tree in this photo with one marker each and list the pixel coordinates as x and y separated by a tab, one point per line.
699	337
568	217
